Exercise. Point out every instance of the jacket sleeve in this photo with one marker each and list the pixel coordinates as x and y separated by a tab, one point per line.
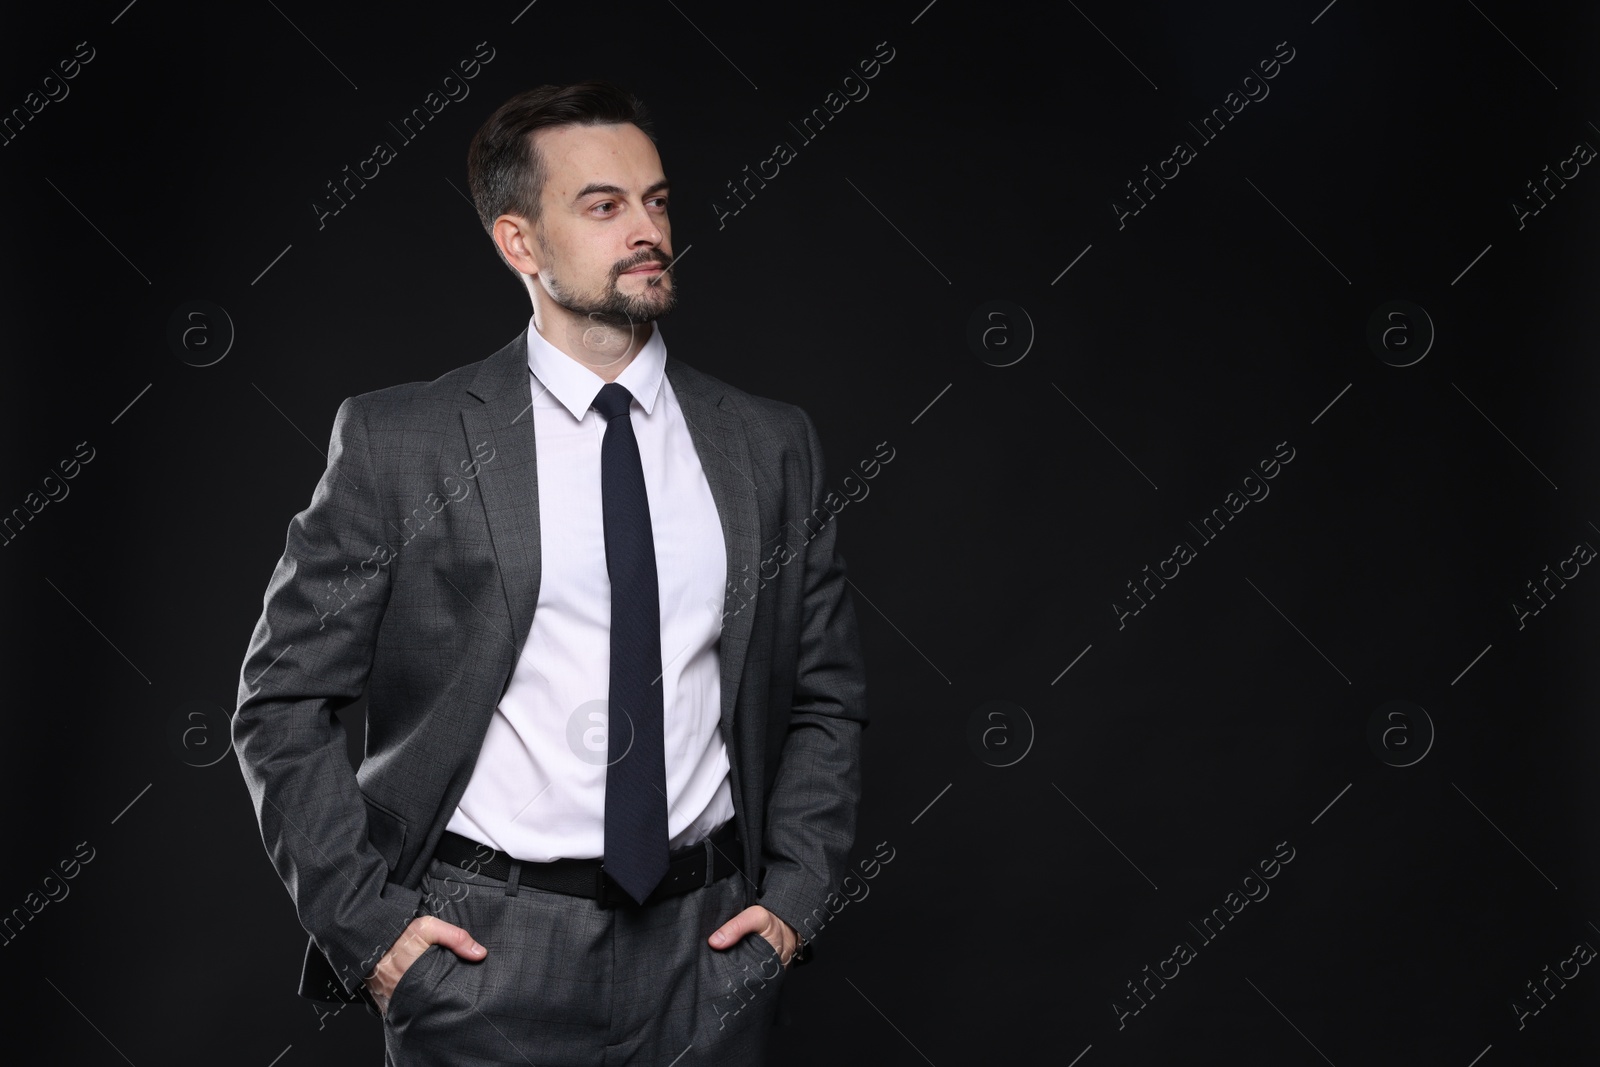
308	657
811	809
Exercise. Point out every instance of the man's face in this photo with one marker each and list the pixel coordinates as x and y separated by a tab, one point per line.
603	234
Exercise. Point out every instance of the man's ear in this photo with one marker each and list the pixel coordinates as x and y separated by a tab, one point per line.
514	235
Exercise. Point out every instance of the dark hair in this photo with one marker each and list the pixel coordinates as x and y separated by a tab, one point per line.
505	170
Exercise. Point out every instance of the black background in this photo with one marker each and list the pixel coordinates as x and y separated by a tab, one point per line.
1228	716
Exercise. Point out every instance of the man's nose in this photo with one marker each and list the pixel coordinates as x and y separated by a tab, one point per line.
646	232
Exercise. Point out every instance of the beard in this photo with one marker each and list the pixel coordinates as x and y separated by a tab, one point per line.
614	308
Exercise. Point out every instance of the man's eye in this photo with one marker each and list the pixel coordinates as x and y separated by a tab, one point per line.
660	202
605	204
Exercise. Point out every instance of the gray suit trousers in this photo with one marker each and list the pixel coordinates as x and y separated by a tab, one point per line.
567	983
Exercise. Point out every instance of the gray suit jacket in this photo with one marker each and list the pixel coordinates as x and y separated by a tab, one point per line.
412	577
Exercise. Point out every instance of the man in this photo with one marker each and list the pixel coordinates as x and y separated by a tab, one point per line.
613	678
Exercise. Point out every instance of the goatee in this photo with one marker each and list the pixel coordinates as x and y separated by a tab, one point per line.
620	310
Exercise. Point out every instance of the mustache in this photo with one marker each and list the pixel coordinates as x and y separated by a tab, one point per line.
654	255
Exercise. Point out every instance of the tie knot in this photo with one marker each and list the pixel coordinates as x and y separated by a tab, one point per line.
612	400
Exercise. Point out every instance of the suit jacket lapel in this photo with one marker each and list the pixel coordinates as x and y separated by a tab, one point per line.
724	451
510	485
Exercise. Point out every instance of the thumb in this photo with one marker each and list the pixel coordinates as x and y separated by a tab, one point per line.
735	928
459	941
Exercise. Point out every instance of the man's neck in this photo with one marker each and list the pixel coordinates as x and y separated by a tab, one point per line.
605	350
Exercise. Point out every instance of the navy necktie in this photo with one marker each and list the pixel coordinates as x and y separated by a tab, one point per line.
636	769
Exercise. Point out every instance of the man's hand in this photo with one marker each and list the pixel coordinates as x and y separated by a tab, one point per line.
423	931
779	934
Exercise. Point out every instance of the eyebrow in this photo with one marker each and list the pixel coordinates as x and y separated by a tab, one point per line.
614	190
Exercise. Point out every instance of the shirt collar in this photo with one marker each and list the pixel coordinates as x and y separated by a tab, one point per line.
575	385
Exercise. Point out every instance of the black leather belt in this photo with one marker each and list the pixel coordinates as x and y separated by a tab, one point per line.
688	868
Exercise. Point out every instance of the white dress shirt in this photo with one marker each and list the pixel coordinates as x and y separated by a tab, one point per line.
538	788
